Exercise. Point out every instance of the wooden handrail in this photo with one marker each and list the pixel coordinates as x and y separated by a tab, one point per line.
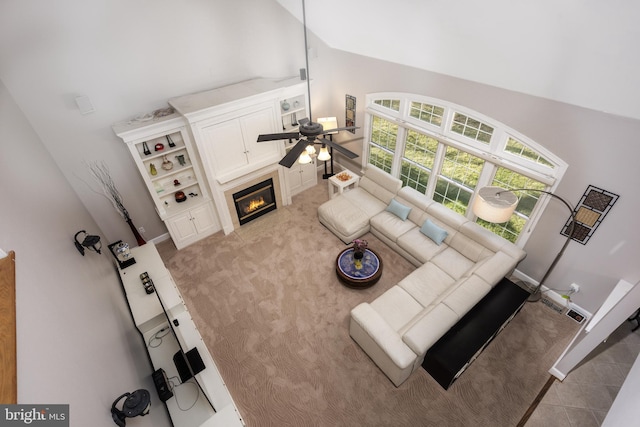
8	359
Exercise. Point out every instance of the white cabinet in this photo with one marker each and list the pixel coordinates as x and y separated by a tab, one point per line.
229	147
301	177
170	168
188	227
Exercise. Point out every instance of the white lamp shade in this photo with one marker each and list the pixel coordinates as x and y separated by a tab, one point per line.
328	123
304	158
324	154
311	149
493	207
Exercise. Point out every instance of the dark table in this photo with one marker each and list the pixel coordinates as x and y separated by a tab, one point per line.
358	275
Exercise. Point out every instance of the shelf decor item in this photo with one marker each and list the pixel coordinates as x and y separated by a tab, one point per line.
170	141
152	169
166	163
496	205
102	175
122	253
145	149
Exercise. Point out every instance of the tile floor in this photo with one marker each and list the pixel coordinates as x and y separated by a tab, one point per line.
586	394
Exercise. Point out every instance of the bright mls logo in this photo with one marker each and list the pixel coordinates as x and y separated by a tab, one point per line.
34	415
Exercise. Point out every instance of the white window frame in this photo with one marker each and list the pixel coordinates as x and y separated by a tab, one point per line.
493	153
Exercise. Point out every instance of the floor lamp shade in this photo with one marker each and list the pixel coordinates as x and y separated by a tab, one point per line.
495	204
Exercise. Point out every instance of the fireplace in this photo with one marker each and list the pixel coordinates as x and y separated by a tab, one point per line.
255	201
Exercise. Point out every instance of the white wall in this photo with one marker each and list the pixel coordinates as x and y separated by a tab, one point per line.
76	340
130	57
575	51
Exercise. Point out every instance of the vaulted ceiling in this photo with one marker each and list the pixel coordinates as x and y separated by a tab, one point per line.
579	52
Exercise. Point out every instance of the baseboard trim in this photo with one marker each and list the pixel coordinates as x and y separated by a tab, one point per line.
553	295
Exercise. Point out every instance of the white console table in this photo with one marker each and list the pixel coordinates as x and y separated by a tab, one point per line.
150	318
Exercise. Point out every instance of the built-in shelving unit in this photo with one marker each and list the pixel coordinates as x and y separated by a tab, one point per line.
169	166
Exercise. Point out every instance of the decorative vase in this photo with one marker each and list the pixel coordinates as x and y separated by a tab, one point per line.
285	105
152	169
358	254
166	163
139	239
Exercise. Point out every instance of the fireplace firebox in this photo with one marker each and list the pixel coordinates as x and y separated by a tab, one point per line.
255	201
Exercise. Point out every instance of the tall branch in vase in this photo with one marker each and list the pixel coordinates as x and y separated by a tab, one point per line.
100	172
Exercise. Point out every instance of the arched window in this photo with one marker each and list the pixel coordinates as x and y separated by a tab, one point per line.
449	152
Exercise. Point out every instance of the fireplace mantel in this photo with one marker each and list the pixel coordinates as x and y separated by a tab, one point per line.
225	124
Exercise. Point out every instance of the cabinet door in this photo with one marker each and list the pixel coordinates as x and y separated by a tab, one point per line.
203	218
254	124
182	228
224	146
293	176
309	175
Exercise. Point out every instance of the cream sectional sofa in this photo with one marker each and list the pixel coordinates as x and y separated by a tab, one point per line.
397	329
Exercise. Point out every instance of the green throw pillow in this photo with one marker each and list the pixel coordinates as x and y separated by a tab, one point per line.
432	231
398	209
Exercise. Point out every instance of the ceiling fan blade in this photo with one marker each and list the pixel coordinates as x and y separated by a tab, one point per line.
277	136
340	148
290	158
325	131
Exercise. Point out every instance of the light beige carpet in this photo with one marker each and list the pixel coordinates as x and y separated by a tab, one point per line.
272	312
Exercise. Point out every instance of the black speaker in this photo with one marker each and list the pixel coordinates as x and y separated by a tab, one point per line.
162	385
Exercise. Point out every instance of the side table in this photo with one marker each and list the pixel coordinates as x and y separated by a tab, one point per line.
337	186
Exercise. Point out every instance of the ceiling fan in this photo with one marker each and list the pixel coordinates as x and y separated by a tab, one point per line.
308	130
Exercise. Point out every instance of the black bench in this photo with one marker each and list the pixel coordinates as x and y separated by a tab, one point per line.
453	353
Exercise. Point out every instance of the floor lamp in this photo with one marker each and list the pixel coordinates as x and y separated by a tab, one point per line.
496	205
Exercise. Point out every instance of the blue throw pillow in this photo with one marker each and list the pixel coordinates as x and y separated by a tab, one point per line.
398	209
432	231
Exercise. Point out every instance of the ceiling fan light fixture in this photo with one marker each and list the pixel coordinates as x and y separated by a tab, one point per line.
311	149
304	158
324	154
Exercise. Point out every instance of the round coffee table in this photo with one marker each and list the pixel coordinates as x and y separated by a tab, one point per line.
359	275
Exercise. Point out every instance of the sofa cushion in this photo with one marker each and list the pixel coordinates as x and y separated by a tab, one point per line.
390	225
397	307
344	216
430	328
468	293
426	284
380	184
411	196
496	267
367	203
398	209
432	231
453	263
469	248
419	245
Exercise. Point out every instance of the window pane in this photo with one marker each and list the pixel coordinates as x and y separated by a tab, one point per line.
458	179
392	104
384	133
427	113
471	128
517	148
414	176
510	180
380	158
417	162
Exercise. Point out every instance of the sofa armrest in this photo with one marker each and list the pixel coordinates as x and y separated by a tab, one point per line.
389	341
